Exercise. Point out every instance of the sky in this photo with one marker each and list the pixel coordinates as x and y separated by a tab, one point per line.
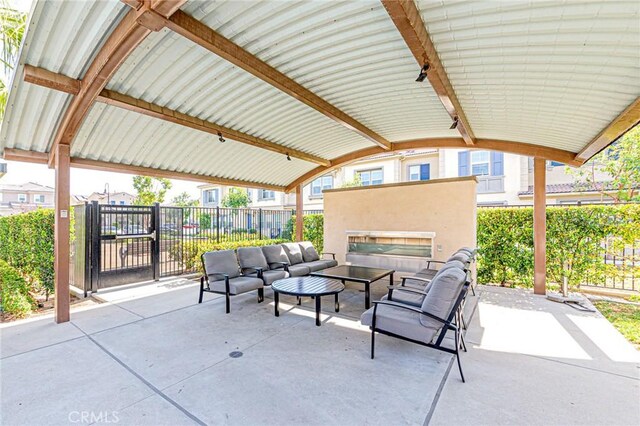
83	182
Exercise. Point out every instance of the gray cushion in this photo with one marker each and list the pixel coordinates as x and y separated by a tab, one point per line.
275	254
462	256
223	261
298	270
430	273
443	292
405	297
252	257
238	285
330	263
402	322
294	253
270	276
309	253
315	266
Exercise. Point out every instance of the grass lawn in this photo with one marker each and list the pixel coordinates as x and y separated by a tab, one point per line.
625	317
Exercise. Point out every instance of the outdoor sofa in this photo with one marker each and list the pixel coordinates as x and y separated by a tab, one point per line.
252	268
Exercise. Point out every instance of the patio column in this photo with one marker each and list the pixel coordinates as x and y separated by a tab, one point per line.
540	225
61	248
299	213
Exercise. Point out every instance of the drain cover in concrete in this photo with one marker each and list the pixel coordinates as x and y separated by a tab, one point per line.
235	354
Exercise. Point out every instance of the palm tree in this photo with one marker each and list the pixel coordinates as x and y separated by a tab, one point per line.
12	26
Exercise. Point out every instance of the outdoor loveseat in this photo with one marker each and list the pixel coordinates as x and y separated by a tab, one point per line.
252	268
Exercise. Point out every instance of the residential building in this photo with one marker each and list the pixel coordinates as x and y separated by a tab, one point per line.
113	198
24	198
3	169
503	179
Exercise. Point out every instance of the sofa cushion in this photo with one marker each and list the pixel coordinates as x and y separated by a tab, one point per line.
223	261
329	263
252	257
238	285
315	266
402	322
405	297
275	254
443	292
299	270
309	253
270	276
294	253
461	256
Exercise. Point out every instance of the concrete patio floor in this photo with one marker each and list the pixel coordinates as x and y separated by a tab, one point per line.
164	359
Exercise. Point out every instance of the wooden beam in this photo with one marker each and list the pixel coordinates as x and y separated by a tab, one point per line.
61	231
12	154
628	119
172	116
406	16
539	226
299	214
520	148
136	25
206	37
45	78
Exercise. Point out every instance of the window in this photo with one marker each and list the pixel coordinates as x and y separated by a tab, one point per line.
419	172
22	198
210	196
265	194
371	177
555	164
112	202
122	202
38	198
480	163
320	184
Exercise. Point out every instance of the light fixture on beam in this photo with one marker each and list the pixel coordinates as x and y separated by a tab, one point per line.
288	158
220	138
423	73
454	124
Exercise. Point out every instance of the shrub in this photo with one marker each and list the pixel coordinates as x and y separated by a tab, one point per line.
14	292
312	230
27	244
575	237
193	251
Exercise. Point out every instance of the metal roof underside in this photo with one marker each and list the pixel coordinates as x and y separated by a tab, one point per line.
552	74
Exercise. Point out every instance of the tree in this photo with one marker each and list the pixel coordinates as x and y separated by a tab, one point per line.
12	25
353	183
150	190
621	161
184	200
236	198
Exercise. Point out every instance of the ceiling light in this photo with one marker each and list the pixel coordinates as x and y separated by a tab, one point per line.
220	138
423	73
455	123
288	158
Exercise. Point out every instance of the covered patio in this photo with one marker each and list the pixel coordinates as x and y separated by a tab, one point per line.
152	356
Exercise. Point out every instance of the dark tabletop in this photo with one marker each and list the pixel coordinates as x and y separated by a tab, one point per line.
354	273
307	286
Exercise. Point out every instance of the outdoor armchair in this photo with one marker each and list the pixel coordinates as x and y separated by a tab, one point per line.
252	261
222	276
428	324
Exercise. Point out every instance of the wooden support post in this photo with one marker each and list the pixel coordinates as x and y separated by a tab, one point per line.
299	213
62	200
540	225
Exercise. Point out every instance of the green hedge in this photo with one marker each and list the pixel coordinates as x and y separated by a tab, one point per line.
14	292
313	230
26	243
575	237
193	251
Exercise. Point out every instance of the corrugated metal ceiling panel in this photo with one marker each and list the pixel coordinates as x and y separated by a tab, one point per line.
143	141
548	73
348	53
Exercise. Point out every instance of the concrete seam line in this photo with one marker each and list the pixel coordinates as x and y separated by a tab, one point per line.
43	347
145	381
436	398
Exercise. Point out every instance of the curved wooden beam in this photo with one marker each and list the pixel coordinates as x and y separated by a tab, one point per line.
406	16
520	148
628	119
206	37
46	78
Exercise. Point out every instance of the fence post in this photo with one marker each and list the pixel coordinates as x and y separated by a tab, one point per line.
95	245
155	243
260	223
217	224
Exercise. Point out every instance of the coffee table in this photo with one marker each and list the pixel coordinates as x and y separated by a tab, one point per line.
358	274
315	287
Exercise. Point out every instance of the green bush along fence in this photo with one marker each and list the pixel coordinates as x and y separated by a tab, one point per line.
192	252
15	298
26	243
312	230
594	244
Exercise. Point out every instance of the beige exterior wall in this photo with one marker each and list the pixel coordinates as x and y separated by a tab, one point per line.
444	206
